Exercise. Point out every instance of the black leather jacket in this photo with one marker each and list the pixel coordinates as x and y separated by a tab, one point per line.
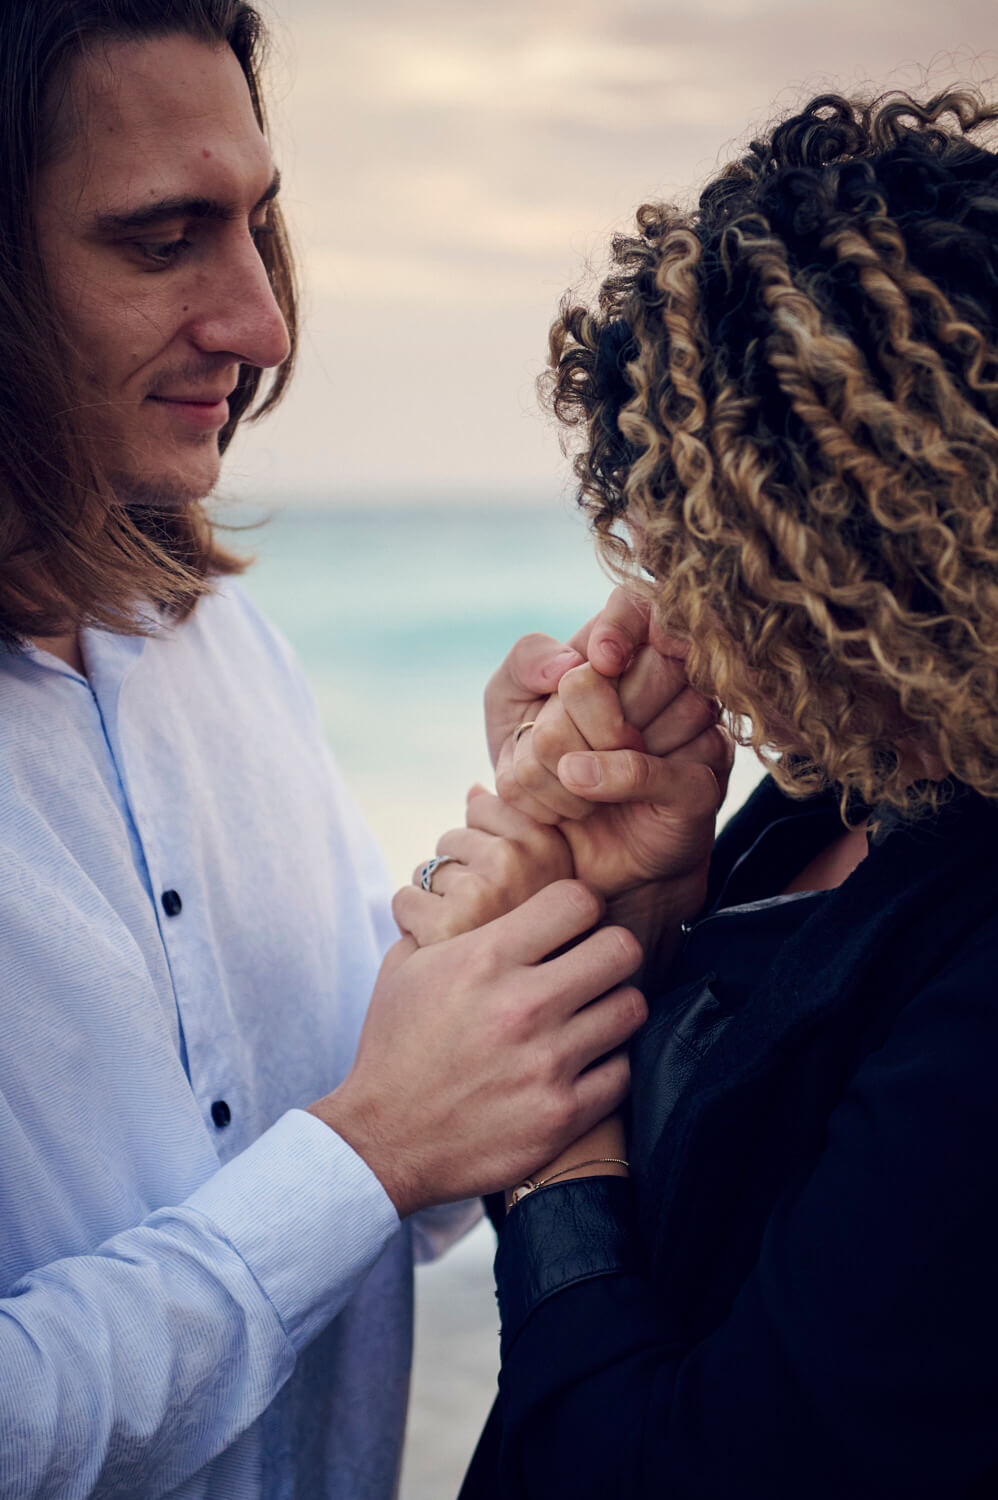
803	1299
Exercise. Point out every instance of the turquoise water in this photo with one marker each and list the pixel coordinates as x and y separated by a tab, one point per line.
399	617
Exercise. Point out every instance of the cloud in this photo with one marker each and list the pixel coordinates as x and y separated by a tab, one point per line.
451	167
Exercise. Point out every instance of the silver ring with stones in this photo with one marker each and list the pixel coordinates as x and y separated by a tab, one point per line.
426	873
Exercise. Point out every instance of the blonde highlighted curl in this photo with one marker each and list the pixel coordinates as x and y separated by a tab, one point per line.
791	396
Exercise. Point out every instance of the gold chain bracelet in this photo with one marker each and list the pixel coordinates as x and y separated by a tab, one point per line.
529	1185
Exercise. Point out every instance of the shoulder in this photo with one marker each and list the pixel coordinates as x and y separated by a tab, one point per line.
228	647
228	616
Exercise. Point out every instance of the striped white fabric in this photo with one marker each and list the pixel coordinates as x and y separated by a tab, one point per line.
203	1291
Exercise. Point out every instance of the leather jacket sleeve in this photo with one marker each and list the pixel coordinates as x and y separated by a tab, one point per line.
856	1359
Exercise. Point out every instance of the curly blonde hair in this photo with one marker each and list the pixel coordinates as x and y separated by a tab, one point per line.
791	395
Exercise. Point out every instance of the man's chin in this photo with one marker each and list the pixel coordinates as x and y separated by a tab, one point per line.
146	493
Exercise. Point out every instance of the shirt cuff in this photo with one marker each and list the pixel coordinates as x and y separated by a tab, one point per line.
560	1235
307	1215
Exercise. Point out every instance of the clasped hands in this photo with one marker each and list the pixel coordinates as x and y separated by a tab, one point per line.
495	1040
615	780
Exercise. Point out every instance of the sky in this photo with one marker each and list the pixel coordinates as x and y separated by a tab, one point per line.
452	167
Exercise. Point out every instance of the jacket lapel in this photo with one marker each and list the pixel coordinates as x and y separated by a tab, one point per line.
765	1089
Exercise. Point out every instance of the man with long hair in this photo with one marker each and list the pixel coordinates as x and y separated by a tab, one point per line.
210	1204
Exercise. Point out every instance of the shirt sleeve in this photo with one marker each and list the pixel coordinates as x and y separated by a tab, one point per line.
434	1230
126	1370
858	1357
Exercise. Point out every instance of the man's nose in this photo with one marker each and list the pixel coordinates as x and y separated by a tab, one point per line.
238	311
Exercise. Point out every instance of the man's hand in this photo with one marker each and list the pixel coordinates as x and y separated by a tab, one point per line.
479	1059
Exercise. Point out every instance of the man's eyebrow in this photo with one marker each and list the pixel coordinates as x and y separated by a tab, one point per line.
181	207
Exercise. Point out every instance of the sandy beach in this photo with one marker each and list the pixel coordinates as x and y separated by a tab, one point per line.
454	1371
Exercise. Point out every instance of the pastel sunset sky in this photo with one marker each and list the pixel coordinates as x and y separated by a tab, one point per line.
452	166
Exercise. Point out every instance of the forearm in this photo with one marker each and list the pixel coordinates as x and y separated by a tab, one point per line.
128	1369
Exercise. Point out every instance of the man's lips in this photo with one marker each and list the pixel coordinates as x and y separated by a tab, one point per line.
191	398
204	409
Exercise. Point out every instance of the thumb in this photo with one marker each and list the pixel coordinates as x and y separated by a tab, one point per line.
611	639
630	776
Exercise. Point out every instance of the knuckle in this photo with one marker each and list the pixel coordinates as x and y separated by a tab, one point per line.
529	772
578	681
483	958
579	1114
405	905
500	859
557	1111
506	783
547	737
479	903
541	812
693	710
545	1064
720	749
400	910
472	887
633	768
613	1078
618	1079
534	643
446	926
517	1022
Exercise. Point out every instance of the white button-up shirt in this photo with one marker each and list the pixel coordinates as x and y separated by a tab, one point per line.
188	1306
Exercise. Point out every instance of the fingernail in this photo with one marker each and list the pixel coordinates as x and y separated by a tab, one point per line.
559	665
614	653
584	770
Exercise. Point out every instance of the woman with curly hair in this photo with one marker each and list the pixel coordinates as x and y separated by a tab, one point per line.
788	400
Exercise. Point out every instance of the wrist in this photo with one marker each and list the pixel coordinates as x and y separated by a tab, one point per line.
601	1152
358	1123
655	913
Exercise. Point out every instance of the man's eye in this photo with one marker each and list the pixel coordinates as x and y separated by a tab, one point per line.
258	232
163	252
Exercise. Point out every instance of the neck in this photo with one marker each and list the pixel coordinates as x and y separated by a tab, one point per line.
65	647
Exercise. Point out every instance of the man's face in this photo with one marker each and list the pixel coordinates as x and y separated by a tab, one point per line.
147	219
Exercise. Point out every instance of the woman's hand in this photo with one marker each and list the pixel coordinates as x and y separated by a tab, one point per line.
499	860
641	757
521	685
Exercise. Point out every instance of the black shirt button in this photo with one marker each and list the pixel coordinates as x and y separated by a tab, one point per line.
686	928
172	903
221	1113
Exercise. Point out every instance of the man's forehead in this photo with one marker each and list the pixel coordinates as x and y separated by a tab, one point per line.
162	117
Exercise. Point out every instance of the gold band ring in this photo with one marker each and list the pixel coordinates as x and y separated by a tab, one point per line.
522	728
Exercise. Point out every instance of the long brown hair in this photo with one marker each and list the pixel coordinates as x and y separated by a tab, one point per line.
792	394
70	550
